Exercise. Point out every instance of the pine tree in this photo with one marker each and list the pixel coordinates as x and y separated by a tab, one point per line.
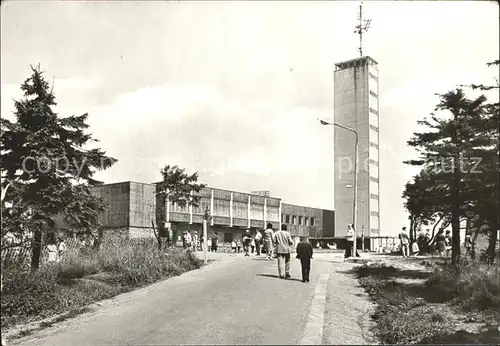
46	166
450	150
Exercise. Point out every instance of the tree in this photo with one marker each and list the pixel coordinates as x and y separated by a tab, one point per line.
450	149
47	169
177	187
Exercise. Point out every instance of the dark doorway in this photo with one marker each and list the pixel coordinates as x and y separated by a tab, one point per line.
228	237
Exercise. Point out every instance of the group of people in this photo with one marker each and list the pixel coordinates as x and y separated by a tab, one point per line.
195	243
442	243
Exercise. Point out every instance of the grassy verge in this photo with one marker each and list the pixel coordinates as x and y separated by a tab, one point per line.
85	276
444	305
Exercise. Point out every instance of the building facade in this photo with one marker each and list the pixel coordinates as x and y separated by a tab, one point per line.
356	105
134	207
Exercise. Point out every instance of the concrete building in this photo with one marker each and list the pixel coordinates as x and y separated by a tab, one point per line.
133	206
356	105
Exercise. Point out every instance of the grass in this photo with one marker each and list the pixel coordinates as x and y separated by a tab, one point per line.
85	276
418	306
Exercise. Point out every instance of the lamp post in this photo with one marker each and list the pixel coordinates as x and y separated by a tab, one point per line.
355	187
207	217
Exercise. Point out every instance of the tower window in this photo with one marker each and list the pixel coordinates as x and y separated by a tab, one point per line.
374	128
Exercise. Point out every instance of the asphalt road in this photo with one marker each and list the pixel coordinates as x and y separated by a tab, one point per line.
236	300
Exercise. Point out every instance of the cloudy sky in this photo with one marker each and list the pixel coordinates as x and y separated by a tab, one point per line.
233	89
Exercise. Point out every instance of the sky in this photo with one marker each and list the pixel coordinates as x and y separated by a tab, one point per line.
233	90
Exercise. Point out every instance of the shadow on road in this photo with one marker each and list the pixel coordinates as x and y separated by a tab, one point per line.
260	259
277	277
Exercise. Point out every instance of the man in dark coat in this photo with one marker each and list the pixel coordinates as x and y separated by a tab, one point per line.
305	254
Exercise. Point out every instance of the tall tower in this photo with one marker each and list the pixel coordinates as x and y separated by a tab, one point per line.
356	106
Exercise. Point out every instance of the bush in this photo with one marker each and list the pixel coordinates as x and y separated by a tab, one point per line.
472	285
88	275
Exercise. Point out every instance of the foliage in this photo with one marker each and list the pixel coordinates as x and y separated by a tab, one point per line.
49	171
416	312
88	275
179	187
459	161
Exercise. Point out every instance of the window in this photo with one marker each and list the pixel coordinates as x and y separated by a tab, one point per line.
306	221
257	211
178	209
240	210
312	221
375	180
301	220
373	145
287	218
294	220
373	196
372	76
283	218
273	214
373	111
203	203
221	207
374	213
374	128
373	94
374	162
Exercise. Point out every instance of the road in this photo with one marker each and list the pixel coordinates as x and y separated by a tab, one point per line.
236	300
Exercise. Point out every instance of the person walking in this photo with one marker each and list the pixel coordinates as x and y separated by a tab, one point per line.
405	242
268	240
195	241
215	242
238	245
447	241
440	242
258	240
247	239
305	254
252	244
61	249
468	244
209	244
283	243
233	246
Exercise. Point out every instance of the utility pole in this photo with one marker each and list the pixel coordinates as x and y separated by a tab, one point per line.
207	217
361	28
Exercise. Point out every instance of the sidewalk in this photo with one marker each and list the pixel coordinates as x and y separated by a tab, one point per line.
348	309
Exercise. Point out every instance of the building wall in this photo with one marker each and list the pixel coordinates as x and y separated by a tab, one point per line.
307	222
117	199
352	103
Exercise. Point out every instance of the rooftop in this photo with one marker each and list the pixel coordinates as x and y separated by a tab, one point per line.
355	62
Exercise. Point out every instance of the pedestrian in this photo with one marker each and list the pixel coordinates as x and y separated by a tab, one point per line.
440	242
350	242
268	240
233	246
283	243
447	241
61	249
238	245
247	239
215	242
405	242
468	244
305	254
209	244
195	241
51	248
252	244
258	240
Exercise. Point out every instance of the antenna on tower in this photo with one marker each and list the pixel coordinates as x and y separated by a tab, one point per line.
362	27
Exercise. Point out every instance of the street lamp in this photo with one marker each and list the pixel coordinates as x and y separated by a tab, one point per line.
355	187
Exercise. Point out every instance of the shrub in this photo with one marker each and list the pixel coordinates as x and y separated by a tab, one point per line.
87	275
472	285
